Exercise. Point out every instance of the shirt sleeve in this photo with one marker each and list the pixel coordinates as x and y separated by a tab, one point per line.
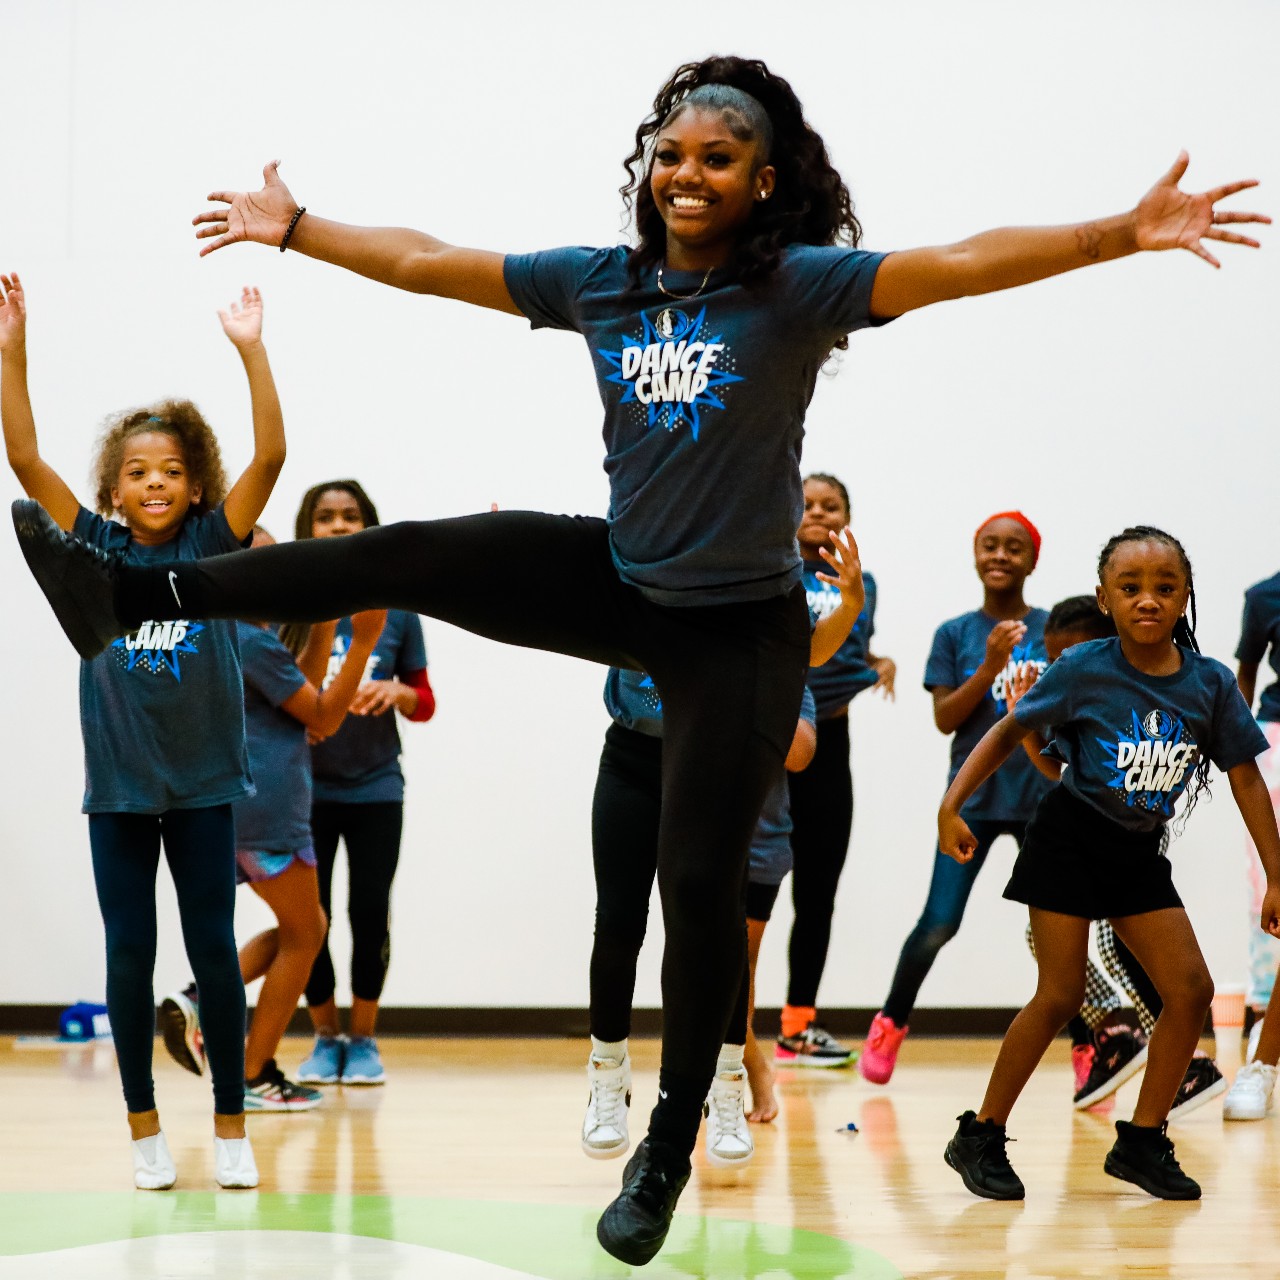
1236	736
940	670
1047	703
831	287
412	652
545	285
869	609
808	708
1253	631
211	535
269	667
97	532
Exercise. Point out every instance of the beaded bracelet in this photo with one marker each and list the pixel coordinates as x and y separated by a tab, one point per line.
293	222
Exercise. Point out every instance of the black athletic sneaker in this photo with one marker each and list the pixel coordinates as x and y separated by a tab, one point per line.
180	1028
1145	1158
977	1154
1121	1052
78	580
634	1227
1202	1082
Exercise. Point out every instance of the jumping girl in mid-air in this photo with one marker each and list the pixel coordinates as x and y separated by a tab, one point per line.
162	716
706	340
1136	721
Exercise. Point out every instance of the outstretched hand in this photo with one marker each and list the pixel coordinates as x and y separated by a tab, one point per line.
13	313
1170	218
243	323
846	569
259	216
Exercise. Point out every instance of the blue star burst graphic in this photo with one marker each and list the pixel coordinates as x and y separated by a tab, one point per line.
652	690
162	656
1172	732
670	414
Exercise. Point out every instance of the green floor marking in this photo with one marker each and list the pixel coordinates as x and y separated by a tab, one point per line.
557	1242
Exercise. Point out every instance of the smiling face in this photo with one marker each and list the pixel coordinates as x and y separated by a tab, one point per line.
336	513
824	513
1145	589
1003	555
705	182
153	491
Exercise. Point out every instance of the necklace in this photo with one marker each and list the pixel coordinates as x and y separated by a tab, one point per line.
683	297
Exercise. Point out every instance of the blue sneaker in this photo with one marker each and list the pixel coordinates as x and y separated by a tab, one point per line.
324	1066
363	1064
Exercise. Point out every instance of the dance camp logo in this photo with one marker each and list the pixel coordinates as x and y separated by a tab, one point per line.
1151	761
673	369
156	646
1020	662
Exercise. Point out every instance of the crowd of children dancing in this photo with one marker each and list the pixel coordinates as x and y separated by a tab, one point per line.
737	635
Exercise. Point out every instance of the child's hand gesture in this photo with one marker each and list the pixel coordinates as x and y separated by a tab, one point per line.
1169	218
1270	920
886	673
13	314
260	216
1025	676
1003	640
954	837
243	323
846	569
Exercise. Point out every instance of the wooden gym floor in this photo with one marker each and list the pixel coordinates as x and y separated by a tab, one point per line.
466	1166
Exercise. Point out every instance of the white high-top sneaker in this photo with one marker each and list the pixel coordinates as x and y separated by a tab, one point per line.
153	1167
233	1163
1251	1092
604	1130
729	1140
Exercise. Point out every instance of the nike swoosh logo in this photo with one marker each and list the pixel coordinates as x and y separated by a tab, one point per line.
662	1093
173	586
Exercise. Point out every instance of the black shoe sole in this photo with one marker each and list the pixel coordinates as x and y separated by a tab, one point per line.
1117	1168
985	1192
33	526
635	1252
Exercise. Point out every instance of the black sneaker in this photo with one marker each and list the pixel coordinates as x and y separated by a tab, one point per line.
813	1047
1121	1052
1202	1082
180	1029
78	580
977	1154
1145	1158
634	1227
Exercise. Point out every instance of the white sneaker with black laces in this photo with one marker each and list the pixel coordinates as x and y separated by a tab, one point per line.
729	1140
604	1130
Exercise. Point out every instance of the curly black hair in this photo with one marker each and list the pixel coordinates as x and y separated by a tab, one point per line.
1080	613
810	202
1184	631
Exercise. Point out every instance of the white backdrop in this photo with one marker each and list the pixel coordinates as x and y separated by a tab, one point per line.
1139	391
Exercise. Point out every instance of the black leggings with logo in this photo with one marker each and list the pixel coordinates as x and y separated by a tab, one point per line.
730	676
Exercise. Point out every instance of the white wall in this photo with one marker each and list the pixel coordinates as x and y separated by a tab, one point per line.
1139	391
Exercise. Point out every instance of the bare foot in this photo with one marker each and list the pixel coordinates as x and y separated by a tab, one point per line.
764	1102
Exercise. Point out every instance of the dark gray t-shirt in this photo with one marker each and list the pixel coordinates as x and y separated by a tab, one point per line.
161	709
704	404
1131	741
278	818
1260	632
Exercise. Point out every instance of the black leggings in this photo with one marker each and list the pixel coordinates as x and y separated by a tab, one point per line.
821	820
721	751
371	833
199	845
625	817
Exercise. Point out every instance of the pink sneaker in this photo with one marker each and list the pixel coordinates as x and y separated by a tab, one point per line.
880	1051
1082	1056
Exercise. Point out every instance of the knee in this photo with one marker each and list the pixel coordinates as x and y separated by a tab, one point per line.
1060	1004
1194	994
931	936
131	958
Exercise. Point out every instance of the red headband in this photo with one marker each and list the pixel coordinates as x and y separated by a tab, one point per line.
1032	532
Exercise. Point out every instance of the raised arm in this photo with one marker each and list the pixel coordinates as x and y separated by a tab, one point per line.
248	497
1033	744
322	710
1250	792
1247	679
995	747
1165	218
952	707
313	661
397	256
35	475
831	632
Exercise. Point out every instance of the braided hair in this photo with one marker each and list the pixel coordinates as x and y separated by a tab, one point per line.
1080	613
1184	630
810	202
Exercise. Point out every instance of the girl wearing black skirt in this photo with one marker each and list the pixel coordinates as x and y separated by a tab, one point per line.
1136	719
